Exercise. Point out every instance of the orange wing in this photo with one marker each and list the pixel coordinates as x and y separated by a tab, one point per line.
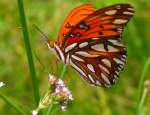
94	45
75	16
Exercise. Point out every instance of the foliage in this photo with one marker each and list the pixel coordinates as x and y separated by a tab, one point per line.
48	15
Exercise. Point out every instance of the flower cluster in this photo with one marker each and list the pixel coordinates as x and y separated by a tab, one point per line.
58	93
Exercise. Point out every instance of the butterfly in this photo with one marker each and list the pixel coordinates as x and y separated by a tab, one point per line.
90	41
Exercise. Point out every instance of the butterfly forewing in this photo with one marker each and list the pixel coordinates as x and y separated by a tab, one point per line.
94	43
75	16
106	22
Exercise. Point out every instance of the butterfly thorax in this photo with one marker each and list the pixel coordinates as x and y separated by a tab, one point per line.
59	51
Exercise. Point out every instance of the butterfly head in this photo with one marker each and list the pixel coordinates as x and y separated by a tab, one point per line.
57	49
50	44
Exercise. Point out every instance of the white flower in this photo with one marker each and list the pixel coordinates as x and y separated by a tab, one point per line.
2	84
63	107
52	79
35	112
60	83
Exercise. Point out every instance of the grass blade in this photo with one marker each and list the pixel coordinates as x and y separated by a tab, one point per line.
141	85
29	52
11	103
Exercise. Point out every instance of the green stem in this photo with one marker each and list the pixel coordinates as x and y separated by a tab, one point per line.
143	97
141	85
63	72
61	77
49	109
12	104
29	52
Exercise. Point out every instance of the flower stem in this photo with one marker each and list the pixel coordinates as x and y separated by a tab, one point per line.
49	109
61	77
29	52
63	72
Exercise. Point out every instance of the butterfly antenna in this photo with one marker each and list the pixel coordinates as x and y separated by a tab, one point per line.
43	66
44	37
52	69
57	67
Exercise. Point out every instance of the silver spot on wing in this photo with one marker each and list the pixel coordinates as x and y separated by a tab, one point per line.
77	68
85	54
70	47
105	78
81	45
106	62
90	67
77	58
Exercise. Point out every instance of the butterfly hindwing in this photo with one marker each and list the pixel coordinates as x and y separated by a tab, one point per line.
97	63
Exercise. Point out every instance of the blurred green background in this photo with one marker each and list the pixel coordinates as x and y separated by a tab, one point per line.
48	15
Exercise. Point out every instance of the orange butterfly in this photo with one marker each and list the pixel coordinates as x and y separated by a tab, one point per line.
90	41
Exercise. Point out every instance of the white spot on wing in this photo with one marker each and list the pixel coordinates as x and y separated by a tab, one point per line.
90	67
95	38
106	62
115	42
85	54
123	59
67	59
124	56
115	78
60	53
118	61
111	12
98	83
105	78
81	45
91	79
77	58
118	7
127	13
119	30
98	47
104	68
70	47
107	86
77	68
131	9
119	69
120	21
121	66
112	49
116	72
